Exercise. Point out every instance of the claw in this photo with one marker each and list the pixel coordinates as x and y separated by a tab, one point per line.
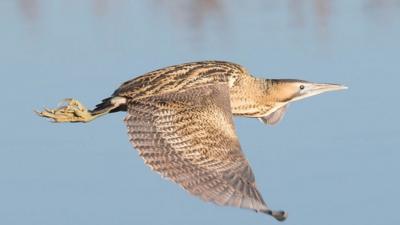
64	102
72	111
49	110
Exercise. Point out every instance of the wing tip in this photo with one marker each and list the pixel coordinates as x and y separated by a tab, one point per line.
279	215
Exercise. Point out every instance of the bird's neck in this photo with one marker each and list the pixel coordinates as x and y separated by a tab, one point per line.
251	97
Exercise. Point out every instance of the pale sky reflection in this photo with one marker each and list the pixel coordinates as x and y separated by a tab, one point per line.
194	17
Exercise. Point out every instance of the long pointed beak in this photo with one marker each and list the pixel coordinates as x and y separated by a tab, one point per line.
320	88
312	89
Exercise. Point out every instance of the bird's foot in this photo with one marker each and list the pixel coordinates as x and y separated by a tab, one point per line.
71	111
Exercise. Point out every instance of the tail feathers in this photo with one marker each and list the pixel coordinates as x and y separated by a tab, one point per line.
108	105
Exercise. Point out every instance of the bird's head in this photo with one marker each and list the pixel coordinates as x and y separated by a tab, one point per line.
288	90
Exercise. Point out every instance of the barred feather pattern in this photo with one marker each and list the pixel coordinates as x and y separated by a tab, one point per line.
189	138
179	78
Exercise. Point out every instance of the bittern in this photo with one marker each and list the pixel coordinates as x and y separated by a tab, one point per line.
179	118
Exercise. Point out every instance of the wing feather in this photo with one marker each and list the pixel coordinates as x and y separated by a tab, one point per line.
189	137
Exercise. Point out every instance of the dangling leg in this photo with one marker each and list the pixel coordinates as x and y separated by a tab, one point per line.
74	111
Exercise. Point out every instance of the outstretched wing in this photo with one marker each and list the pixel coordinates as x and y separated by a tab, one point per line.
189	137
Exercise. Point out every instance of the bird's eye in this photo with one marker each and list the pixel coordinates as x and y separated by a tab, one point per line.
301	87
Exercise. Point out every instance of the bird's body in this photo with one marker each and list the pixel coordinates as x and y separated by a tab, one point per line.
246	92
180	120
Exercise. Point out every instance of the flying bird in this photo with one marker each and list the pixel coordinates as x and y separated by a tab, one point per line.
180	119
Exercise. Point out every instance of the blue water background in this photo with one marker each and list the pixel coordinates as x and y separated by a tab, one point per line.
334	159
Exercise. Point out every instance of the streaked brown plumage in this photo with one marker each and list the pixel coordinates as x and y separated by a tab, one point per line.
180	120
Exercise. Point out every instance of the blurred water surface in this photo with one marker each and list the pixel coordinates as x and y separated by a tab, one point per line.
334	159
